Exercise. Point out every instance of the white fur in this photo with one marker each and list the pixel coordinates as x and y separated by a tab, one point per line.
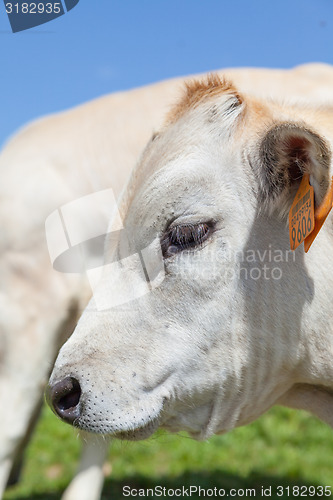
178	349
212	349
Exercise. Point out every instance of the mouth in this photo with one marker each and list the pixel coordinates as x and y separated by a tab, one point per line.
130	422
131	434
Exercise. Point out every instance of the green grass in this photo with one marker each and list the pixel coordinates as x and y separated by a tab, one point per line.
282	448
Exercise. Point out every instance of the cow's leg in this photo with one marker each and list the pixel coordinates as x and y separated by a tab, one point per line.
88	481
19	456
33	325
15	437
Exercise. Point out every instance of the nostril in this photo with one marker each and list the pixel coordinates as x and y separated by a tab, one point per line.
64	398
70	400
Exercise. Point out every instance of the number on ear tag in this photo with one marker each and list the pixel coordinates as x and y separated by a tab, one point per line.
301	214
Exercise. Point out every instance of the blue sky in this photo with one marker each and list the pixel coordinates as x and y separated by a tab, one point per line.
102	46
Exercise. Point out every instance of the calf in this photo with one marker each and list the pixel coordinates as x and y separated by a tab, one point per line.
202	318
55	161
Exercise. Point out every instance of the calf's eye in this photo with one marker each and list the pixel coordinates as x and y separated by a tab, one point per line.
185	237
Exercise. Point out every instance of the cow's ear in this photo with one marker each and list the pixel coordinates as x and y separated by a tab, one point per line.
286	153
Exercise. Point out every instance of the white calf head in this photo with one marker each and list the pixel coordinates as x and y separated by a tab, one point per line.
220	335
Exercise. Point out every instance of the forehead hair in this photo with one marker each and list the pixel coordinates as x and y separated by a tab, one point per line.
198	91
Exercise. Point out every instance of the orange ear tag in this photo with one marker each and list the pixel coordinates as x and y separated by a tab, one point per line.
320	215
301	214
305	221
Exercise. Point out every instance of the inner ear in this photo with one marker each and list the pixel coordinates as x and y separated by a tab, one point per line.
287	152
297	152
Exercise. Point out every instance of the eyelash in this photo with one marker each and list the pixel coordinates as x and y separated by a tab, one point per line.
185	237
